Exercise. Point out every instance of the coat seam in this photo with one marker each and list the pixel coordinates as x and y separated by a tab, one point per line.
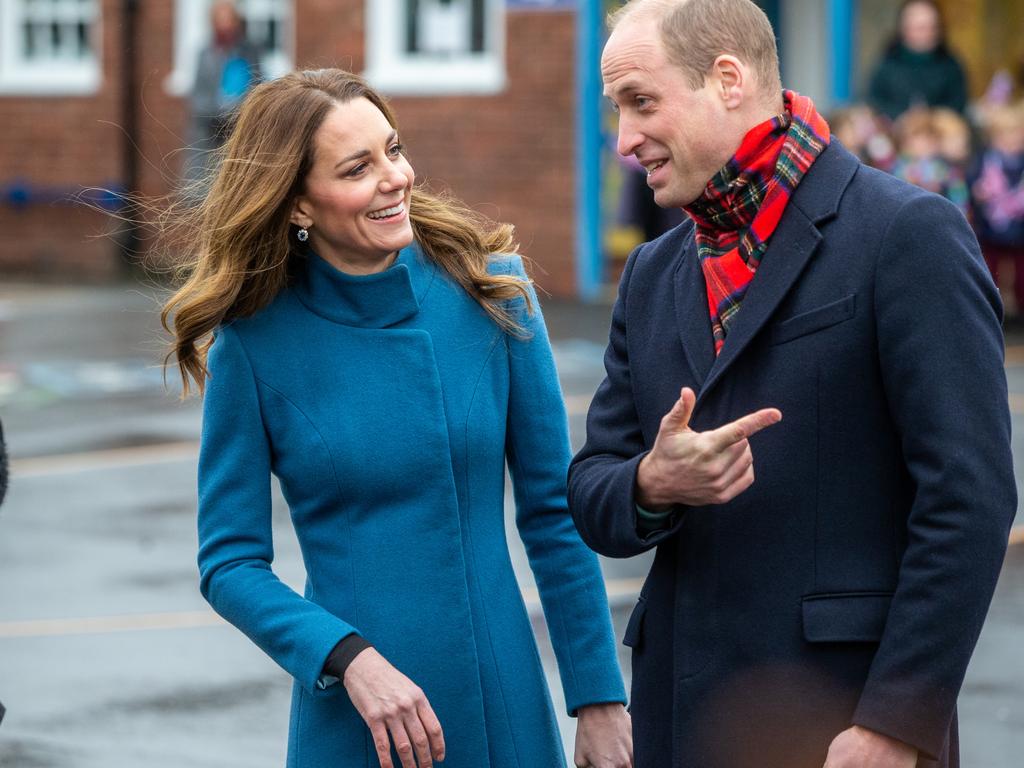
337	483
471	553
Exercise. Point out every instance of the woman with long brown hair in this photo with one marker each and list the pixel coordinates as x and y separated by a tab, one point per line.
380	350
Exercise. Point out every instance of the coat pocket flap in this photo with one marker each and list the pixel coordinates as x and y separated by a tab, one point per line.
814	320
635	625
852	617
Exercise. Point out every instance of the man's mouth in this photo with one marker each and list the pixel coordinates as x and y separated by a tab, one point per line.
653	166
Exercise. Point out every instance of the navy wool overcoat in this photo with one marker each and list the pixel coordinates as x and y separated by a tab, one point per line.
849	583
387	406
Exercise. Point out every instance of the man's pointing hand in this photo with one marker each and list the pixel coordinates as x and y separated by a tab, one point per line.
696	468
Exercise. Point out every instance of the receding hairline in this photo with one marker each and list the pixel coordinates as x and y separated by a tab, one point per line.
696	55
637	10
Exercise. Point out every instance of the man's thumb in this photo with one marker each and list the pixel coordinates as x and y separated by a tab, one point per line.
678	419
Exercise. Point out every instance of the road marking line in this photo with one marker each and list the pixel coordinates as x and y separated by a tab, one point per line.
577	404
104	624
616	589
619	592
159	453
113	458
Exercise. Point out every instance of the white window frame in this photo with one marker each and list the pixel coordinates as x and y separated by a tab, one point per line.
192	32
394	71
54	76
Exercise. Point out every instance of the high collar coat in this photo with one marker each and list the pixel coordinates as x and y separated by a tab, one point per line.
849	583
387	406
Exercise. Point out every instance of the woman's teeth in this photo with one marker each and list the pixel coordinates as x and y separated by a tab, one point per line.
386	212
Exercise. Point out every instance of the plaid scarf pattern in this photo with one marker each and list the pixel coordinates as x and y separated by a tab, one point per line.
742	205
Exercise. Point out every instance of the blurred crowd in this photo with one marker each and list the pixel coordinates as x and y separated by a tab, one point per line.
917	122
974	159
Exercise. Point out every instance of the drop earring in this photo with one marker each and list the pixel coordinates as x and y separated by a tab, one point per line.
302	234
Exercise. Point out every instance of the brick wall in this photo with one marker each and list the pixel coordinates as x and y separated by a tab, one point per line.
57	143
509	155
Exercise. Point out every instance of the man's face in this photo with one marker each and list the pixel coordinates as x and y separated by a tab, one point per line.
678	134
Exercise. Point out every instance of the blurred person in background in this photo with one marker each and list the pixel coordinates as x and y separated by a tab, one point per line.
955	138
997	196
227	68
920	161
381	351
917	68
860	130
804	413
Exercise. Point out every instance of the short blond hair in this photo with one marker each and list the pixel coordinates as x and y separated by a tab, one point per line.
1004	118
696	32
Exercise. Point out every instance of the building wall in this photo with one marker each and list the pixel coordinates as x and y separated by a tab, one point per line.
48	147
509	155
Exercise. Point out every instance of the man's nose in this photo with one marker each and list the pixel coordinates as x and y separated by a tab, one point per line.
629	139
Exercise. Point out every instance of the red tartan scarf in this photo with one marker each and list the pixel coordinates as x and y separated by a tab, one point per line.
742	204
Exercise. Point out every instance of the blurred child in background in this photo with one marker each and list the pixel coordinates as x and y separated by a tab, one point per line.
864	133
919	141
997	196
955	138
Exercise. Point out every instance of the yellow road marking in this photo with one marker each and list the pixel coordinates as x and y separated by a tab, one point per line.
114	458
1015	355
618	589
103	624
577	404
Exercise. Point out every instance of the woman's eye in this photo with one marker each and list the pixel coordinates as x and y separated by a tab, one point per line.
396	149
356	170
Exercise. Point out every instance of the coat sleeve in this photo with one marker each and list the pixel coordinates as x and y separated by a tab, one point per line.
235	538
568	574
940	347
602	476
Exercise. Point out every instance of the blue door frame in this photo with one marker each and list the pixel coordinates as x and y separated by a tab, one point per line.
589	249
842	32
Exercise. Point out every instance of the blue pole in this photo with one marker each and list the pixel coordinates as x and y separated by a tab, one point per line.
842	16
589	256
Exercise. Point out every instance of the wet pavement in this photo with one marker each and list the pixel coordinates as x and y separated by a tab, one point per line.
109	656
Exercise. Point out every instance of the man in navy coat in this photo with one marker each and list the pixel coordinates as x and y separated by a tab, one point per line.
815	435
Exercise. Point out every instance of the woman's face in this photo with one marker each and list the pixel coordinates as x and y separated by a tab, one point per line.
920	27
355	201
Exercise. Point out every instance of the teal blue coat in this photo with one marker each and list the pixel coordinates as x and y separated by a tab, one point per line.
387	406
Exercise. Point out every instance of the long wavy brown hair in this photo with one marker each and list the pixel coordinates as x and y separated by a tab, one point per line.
238	242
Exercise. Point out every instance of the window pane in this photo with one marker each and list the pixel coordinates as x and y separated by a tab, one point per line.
53	30
477	32
83	39
28	41
444	27
412	27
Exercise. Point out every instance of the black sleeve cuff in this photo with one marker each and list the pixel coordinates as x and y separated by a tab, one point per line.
343	655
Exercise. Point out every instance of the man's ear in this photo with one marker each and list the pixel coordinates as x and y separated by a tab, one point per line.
732	80
300	215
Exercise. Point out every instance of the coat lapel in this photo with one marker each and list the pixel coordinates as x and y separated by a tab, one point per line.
792	245
692	317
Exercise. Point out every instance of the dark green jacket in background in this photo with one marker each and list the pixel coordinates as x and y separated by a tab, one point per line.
904	79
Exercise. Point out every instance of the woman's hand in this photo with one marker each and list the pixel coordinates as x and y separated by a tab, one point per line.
604	737
390	702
